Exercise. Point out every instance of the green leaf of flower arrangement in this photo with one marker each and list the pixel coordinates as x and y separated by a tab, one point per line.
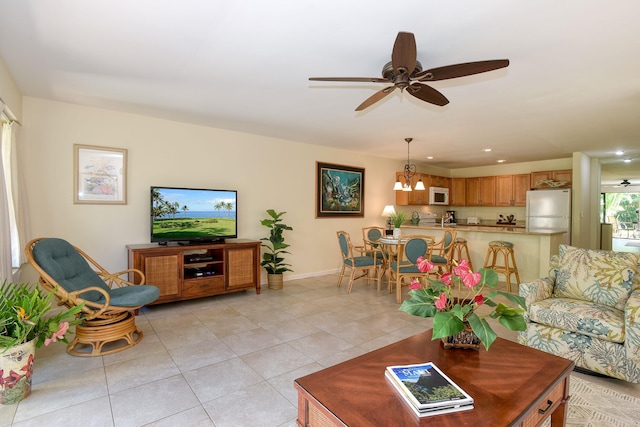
482	329
489	277
446	324
420	304
511	297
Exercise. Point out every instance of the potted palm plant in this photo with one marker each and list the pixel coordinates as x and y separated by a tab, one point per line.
25	325
272	259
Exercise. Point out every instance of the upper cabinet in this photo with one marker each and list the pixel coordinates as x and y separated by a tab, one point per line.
458	192
480	191
511	190
551	179
438	181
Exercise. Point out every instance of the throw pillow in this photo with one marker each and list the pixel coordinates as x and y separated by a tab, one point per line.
603	277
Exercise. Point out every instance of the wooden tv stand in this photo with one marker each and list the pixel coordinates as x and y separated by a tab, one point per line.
192	271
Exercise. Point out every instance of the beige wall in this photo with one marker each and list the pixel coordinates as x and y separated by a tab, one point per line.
267	172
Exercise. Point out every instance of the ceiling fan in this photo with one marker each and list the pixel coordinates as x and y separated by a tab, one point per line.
405	72
625	183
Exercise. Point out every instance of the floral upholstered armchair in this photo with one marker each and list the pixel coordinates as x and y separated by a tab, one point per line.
588	311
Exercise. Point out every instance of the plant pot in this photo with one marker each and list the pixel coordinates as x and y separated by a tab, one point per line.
465	339
16	367
396	233
274	281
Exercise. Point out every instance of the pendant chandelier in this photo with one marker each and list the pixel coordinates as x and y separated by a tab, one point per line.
409	172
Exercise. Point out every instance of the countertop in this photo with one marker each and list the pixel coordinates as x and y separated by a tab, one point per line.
486	228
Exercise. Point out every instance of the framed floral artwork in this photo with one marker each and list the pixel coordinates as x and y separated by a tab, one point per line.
100	175
339	191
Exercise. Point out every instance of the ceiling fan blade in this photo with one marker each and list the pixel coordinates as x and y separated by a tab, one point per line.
404	55
351	79
375	97
461	70
427	94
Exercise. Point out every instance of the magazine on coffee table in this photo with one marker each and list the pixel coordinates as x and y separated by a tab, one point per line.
427	389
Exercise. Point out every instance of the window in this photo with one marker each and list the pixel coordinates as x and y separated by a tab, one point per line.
10	242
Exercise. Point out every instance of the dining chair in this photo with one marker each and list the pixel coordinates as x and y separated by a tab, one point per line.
362	263
371	237
410	248
441	253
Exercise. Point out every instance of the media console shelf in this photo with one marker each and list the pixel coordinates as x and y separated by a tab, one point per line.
200	270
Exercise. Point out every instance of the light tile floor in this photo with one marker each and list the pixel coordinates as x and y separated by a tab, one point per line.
222	361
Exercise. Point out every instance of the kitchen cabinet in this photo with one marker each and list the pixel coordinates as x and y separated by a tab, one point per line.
511	190
480	191
538	178
439	181
457	193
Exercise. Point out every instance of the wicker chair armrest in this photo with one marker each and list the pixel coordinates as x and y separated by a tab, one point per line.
114	278
632	327
91	309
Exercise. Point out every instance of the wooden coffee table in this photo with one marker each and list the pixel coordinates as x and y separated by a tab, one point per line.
512	385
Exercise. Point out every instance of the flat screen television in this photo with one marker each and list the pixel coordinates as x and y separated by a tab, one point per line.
193	215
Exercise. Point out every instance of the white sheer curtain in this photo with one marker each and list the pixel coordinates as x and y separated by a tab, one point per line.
13	214
5	224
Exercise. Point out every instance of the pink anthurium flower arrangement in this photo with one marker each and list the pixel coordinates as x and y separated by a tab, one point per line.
452	301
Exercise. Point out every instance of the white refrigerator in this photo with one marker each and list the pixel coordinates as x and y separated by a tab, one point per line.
549	210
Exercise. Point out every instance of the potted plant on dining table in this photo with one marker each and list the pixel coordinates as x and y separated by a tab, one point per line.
397	218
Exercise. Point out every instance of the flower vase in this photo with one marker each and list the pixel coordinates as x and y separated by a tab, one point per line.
466	339
16	367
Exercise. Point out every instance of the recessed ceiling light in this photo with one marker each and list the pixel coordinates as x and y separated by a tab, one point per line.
486	150
619	153
501	161
627	160
430	157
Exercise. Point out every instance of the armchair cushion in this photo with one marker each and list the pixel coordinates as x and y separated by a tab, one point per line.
68	268
602	277
583	317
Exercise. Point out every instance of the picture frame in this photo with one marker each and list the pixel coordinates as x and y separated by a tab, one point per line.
99	175
339	191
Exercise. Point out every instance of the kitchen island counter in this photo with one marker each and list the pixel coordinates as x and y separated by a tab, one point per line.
532	249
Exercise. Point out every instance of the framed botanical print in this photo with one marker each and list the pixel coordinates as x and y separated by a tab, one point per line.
99	175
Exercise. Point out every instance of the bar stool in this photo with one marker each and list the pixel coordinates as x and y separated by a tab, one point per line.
460	251
509	267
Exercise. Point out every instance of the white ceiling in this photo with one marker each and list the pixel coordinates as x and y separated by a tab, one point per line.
573	84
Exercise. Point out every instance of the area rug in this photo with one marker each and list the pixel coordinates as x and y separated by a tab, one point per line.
592	405
634	243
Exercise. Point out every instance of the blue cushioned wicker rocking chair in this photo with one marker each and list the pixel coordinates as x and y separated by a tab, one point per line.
110	302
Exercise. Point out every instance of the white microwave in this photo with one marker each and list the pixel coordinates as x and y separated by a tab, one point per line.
438	196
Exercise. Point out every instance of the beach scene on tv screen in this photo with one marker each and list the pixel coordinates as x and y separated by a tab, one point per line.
184	214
